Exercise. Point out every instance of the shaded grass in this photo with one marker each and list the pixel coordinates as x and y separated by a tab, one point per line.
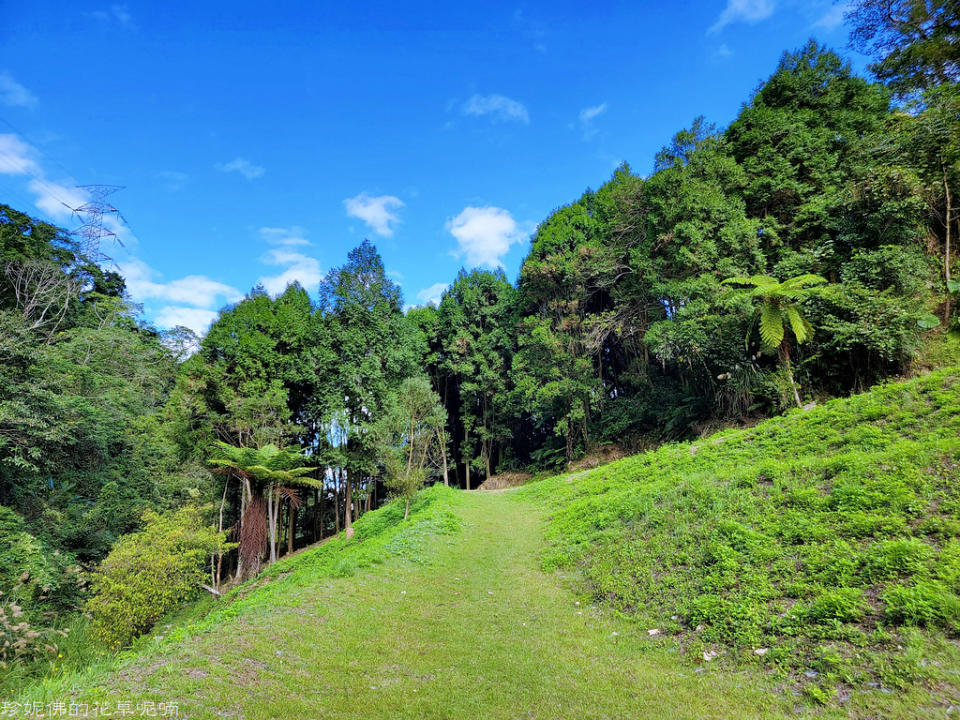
828	540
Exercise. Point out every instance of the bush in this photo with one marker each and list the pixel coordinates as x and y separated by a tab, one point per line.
31	574
150	573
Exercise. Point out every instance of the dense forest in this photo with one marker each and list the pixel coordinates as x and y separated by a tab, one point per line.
803	252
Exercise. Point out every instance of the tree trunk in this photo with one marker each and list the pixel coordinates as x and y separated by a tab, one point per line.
316	514
223	501
948	222
347	501
336	502
466	454
272	525
443	454
291	526
406	509
785	359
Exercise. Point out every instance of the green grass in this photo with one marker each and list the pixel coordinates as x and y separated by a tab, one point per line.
829	540
466	625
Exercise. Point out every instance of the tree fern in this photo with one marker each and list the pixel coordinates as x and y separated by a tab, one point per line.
780	309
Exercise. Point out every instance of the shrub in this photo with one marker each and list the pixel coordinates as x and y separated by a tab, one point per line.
150	573
30	573
843	604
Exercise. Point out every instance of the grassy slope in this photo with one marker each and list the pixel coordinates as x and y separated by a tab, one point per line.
824	537
474	628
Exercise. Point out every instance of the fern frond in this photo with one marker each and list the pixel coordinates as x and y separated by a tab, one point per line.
802	330
771	325
763	281
803	281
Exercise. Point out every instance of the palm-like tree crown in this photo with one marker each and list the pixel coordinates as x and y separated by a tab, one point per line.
780	304
270	465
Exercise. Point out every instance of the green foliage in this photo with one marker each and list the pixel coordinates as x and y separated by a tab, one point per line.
475	347
151	572
925	603
409	432
267	465
621	328
915	43
779	305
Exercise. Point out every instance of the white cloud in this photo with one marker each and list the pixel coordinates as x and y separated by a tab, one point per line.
723	51
749	11
197	291
299	268
16	157
432	294
287	237
173	180
242	166
587	116
377	212
485	234
119	14
196	319
833	17
14	94
499	107
56	200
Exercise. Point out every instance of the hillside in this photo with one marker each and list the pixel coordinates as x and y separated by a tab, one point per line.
817	543
820	536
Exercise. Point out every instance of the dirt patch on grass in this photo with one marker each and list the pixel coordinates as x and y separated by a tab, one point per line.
505	480
601	456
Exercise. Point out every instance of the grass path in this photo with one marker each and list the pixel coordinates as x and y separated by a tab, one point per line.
477	632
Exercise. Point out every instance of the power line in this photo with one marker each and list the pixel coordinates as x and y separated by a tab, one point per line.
91	212
34	143
37	178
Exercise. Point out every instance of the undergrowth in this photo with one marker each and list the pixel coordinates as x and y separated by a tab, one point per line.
825	544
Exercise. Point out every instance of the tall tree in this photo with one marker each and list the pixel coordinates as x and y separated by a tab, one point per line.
408	433
473	320
267	474
376	349
916	42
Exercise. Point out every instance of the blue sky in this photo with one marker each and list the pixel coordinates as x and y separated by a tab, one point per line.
259	142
